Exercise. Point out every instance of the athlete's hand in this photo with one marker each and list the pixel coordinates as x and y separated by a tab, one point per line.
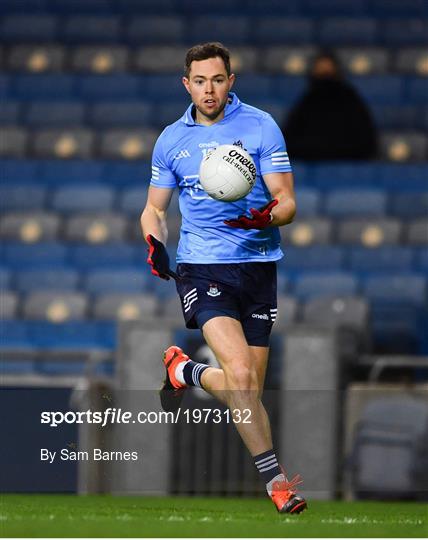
260	218
158	258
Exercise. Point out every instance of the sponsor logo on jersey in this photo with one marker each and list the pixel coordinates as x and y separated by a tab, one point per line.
182	154
213	290
211	144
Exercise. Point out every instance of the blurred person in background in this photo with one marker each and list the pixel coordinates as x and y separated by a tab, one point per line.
330	121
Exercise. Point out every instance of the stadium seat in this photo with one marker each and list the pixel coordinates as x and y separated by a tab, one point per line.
36	58
121	87
304	232
224	28
29	28
244	60
48	254
421	260
289	60
95	228
129	143
250	86
370	233
55	306
404	31
13	142
289	88
405	289
10	113
382	259
57	114
160	59
63	143
163	88
417	232
112	306
29	227
107	256
45	86
65	173
417	90
406	177
120	173
83	199
78	334
91	29
21	197
406	117
347	31
312	285
100	59
5	278
312	258
329	176
282	30
332	311
288	309
154	30
129	114
62	278
412	61
380	89
120	280
308	202
404	146
132	200
364	61
8	305
410	205
168	113
343	203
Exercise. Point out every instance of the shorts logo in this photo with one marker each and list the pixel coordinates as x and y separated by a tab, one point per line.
189	298
213	290
264	316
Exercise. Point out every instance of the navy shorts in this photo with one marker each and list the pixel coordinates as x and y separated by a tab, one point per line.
243	291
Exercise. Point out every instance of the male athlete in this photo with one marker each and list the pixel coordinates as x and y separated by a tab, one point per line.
226	273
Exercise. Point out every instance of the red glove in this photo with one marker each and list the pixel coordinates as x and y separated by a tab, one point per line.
261	218
158	258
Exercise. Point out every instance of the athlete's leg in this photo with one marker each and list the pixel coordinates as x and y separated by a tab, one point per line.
238	383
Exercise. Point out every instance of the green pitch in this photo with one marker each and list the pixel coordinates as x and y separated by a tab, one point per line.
104	516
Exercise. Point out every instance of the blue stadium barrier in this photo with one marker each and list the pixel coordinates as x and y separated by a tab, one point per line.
73	334
404	117
132	200
355	202
50	254
15	334
22	197
310	285
5	82
155	29
314	258
83	199
82	29
382	259
323	8
409	205
10	113
386	8
236	30
136	114
417	90
119	87
380	89
85	257
121	174
21	27
228	7
402	177
17	367
63	173
308	201
167	113
5	278
421	260
23	6
122	279
64	279
331	176
250	85
282	30
46	87
399	32
288	89
256	8
162	87
59	114
347	31
145	7
80	6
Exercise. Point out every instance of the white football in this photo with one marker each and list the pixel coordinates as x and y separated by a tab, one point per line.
227	173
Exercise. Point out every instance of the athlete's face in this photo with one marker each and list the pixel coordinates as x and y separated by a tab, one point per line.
208	85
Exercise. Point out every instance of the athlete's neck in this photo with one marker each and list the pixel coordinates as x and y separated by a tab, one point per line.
205	120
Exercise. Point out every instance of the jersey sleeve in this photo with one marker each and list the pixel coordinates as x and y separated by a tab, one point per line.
162	175
273	152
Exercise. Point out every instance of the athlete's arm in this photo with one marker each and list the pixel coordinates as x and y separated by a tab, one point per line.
281	187
153	218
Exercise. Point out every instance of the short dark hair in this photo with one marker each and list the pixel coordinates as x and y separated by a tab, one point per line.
205	51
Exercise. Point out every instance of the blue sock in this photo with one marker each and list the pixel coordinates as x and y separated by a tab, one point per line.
192	372
267	465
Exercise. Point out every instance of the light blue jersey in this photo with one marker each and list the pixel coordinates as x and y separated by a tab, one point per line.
177	155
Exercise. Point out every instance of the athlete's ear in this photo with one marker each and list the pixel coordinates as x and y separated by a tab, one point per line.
231	80
185	81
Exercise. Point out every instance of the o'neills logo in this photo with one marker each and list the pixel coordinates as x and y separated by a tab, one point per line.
243	160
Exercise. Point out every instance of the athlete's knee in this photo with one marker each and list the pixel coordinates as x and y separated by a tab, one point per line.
243	377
